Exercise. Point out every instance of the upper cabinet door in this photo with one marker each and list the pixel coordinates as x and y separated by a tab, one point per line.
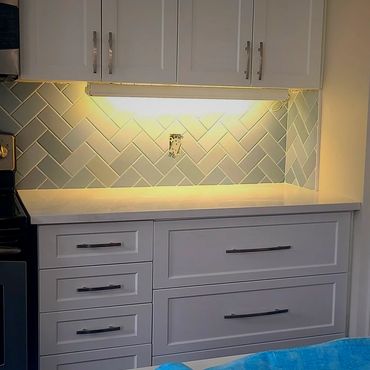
60	39
139	41
215	42
287	43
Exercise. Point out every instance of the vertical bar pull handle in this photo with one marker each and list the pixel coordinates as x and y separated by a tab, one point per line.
110	53
260	50
95	52
248	51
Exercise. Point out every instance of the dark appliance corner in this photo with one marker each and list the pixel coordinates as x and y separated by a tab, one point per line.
18	271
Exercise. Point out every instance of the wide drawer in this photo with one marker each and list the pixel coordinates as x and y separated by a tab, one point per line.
87	287
110	359
239	350
196	252
223	315
95	244
73	331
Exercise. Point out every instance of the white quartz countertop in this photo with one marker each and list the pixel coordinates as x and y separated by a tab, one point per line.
89	205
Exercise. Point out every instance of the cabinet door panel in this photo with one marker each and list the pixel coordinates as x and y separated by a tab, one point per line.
208	317
249	248
57	39
144	40
119	358
291	33
213	36
62	332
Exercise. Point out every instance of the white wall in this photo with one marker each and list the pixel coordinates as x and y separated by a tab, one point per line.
345	107
360	293
345	97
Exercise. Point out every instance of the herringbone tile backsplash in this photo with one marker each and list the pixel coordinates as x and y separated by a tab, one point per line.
66	139
302	139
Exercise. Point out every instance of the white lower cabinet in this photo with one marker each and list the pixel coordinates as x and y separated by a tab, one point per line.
222	287
83	330
111	359
229	286
214	316
97	286
95	296
239	350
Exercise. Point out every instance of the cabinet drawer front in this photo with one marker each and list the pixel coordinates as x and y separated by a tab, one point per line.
73	331
238	351
86	287
95	244
234	314
112	359
195	252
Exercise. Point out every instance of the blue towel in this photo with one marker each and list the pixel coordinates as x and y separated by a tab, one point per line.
174	366
342	354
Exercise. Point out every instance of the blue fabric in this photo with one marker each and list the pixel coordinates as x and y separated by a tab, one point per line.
174	366
342	354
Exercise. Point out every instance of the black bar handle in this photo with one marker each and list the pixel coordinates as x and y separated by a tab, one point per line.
252	250
102	245
97	331
99	288
256	314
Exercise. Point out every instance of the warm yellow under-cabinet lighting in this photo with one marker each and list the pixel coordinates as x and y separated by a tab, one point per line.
158	107
184	91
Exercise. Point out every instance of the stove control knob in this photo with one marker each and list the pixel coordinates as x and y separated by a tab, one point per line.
3	151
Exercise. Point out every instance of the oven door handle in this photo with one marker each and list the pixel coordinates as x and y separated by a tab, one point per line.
9	250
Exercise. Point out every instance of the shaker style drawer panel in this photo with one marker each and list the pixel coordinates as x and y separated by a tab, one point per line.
110	359
95	244
87	287
241	350
195	252
81	330
223	315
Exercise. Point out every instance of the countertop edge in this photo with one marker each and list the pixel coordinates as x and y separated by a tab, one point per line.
50	219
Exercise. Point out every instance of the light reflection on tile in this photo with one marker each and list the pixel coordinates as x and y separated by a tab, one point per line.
74	135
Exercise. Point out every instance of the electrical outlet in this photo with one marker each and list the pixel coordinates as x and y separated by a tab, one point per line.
7	152
175	143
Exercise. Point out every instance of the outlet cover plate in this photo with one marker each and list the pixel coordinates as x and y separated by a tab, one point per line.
7	142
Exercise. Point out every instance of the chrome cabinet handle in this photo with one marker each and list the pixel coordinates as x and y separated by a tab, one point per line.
256	314
110	53
99	288
260	50
248	51
97	331
95	52
98	245
4	250
252	250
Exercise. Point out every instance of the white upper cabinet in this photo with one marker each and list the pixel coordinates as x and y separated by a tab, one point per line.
60	40
139	42
215	39
287	43
259	43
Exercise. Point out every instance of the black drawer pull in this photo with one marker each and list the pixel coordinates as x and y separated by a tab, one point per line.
102	245
97	331
99	288
256	314
252	250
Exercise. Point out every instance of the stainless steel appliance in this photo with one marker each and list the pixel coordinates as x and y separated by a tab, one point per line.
9	39
18	271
